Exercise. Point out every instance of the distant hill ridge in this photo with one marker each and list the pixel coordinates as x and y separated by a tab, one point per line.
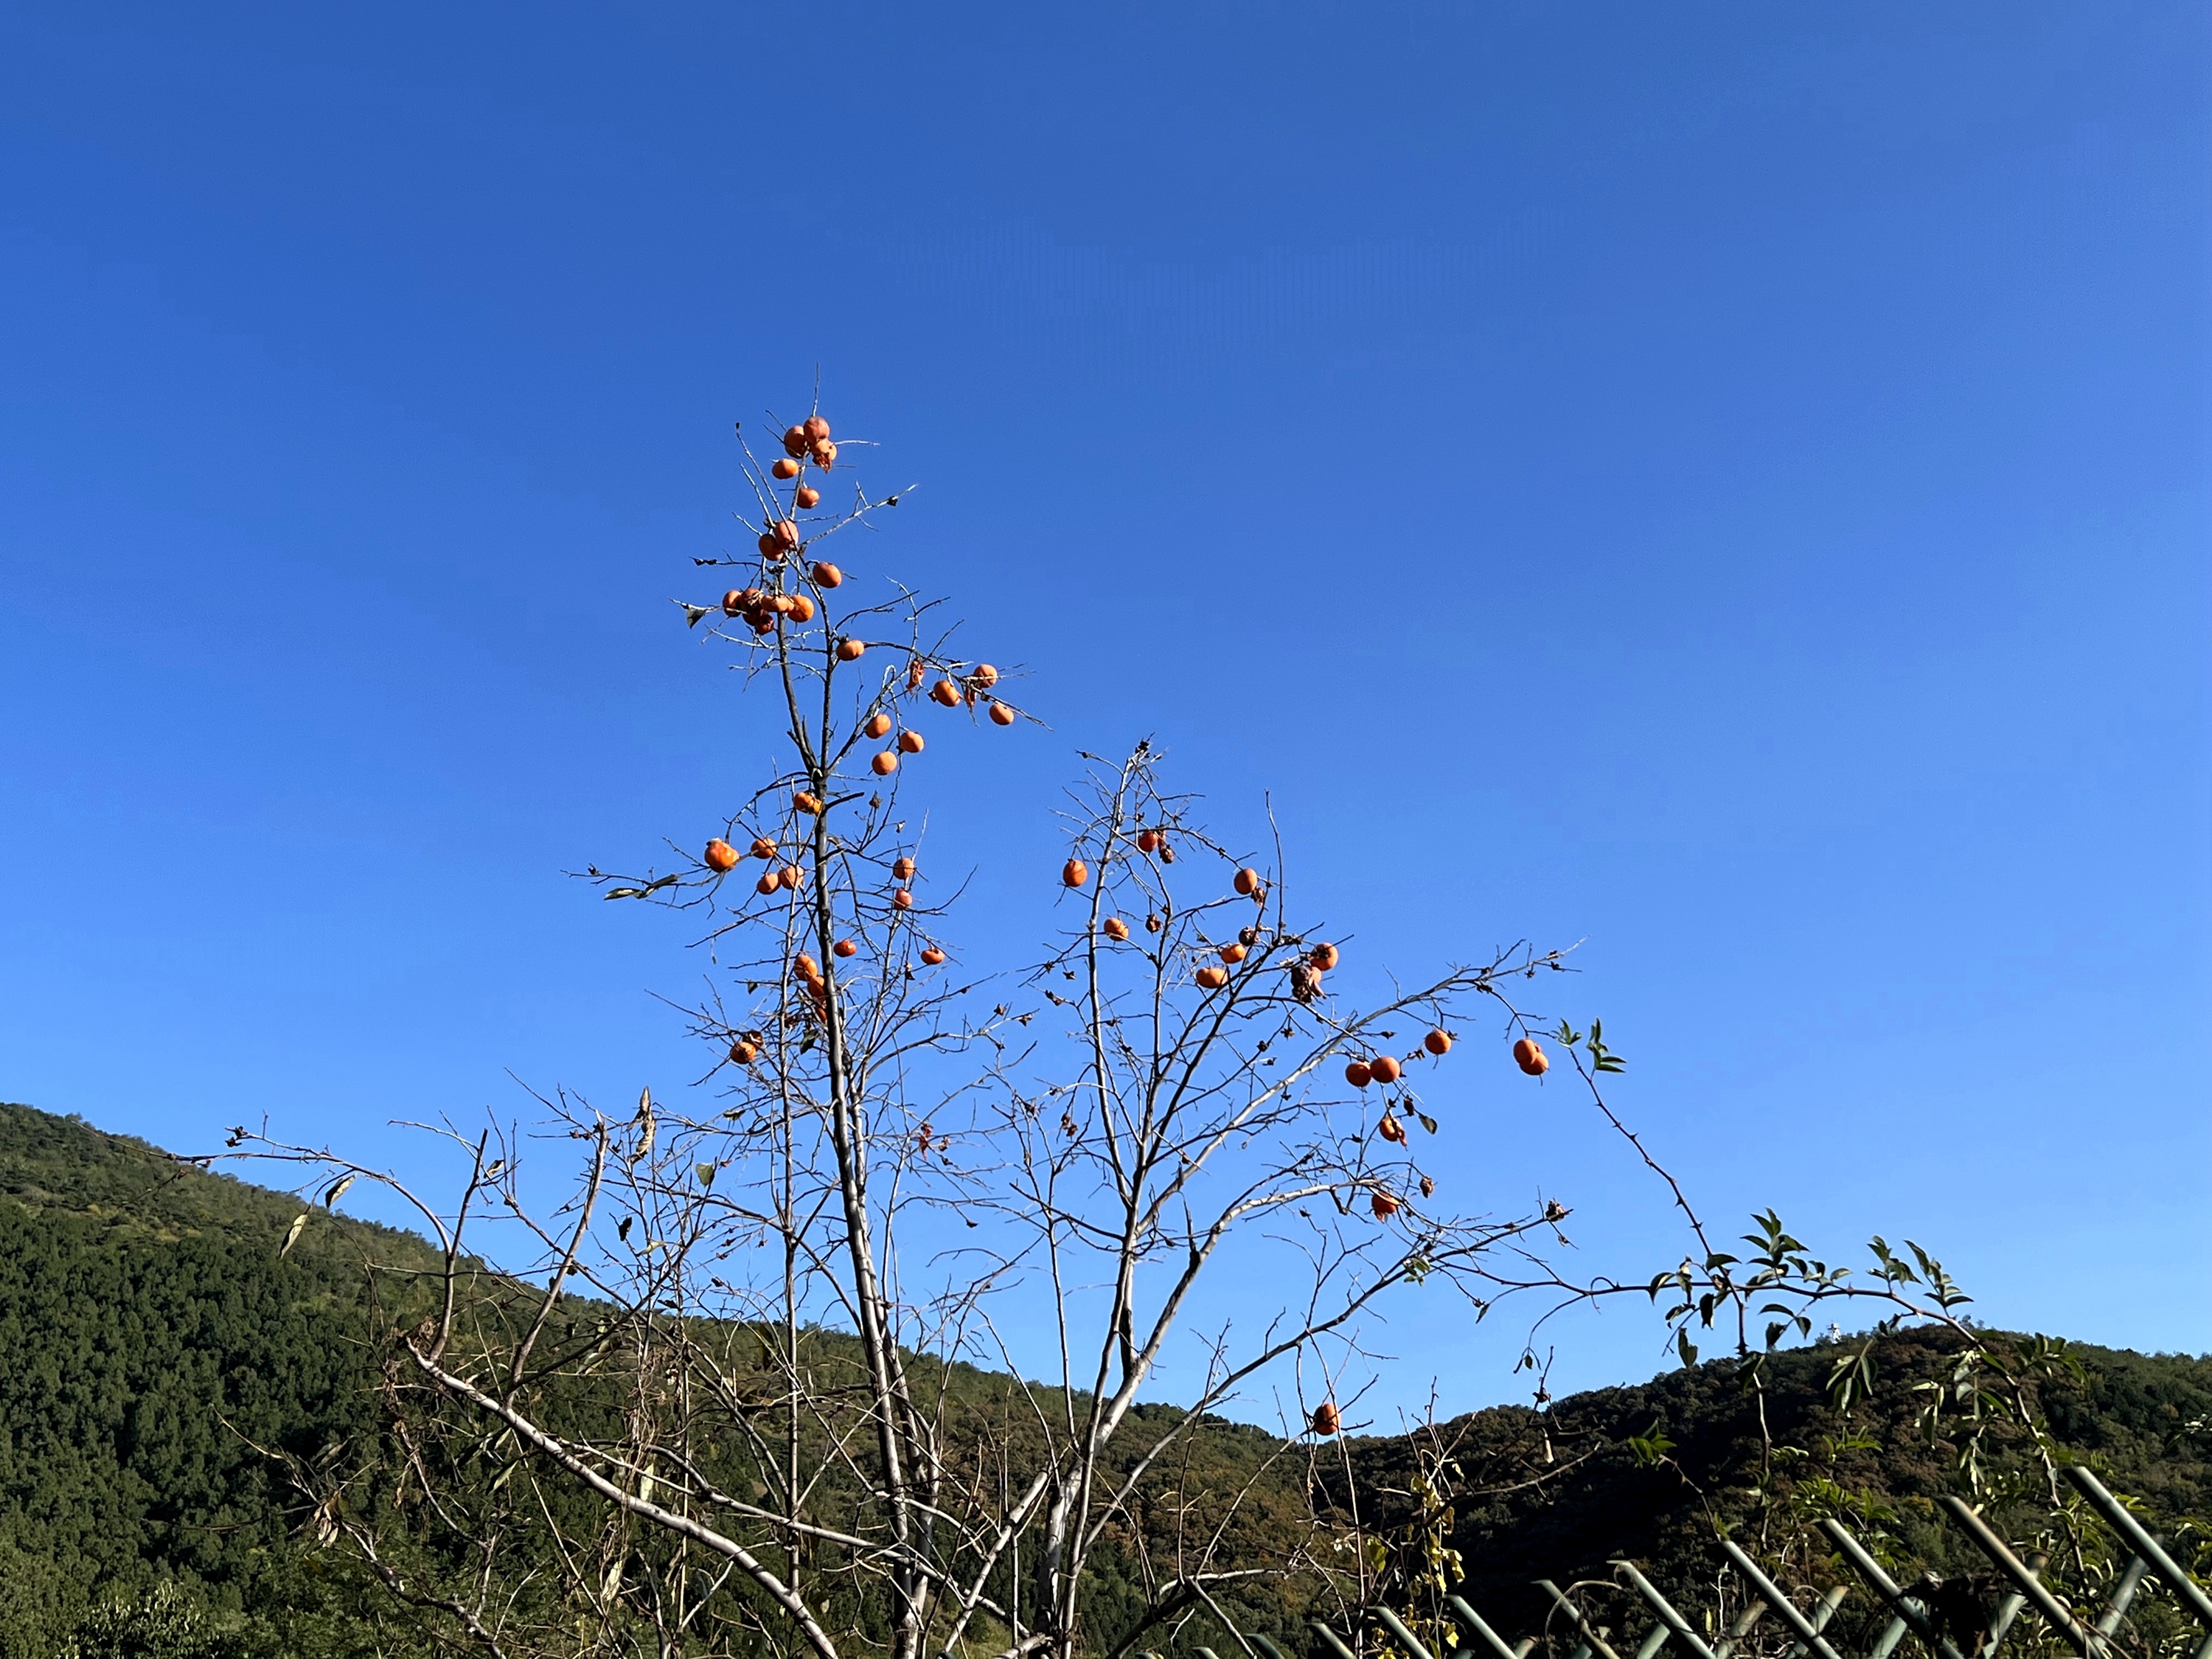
149	1331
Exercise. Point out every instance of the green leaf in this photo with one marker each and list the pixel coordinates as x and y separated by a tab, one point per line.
1685	1347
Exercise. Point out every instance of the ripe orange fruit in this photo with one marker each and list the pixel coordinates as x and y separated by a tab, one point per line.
733	601
904	869
787	533
814	428
1383	1205
802	608
1075	872
826	574
946	693
768	883
782	604
770	548
1383	1069
762	847
744	1053
1391	1130
795	440
1324	956
1148	840
721	856
932	956
845	947
1232	954
878	723
806	498
910	742
1248	881
885	764
806	802
1325	1419
785	467
903	899
985	676
1438	1041
1114	929
824	454
850	650
1530	1058
1001	715
1358	1075
1211	979
793	877
805	966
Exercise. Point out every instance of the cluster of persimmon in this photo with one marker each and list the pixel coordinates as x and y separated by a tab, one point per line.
952	693
808	443
903	871
763	609
722	858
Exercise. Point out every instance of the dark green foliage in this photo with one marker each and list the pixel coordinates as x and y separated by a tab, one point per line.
152	1338
1651	1472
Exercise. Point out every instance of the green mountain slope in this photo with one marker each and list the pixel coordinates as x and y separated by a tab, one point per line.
152	1336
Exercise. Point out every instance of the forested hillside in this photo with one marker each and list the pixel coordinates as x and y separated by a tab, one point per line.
154	1341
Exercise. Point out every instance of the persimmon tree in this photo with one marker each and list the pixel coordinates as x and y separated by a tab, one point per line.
748	1382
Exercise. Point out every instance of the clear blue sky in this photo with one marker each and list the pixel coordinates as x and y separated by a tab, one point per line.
1728	482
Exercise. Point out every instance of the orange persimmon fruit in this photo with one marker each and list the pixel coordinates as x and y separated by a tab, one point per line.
1438	1041
1530	1058
1114	929
885	764
1384	1068
1074	873
721	856
1358	1075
